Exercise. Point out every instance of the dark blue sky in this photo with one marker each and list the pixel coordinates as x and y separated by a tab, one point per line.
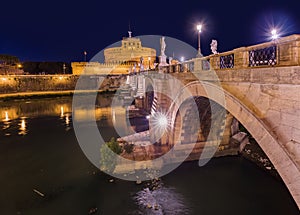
59	30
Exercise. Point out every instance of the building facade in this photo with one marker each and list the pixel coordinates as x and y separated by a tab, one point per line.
131	56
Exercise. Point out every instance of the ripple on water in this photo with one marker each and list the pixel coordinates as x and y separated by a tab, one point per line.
162	201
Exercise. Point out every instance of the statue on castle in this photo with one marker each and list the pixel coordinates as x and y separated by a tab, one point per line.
141	64
214	46
162	46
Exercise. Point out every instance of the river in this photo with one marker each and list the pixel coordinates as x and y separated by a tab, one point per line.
39	153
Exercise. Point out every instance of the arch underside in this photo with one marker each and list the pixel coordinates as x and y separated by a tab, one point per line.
149	97
280	158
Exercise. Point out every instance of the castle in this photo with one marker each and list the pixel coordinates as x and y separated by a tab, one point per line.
131	56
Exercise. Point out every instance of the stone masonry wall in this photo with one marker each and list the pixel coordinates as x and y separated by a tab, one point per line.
39	83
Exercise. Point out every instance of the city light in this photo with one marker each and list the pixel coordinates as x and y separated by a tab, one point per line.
274	34
149	60
182	59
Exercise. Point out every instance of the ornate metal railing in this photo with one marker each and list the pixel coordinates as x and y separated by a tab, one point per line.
265	56
227	61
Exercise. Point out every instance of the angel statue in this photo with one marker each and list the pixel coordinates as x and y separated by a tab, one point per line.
162	46
214	46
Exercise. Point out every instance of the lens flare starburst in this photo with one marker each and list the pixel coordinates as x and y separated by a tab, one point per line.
160	123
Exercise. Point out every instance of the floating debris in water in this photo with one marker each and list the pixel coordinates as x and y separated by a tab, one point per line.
159	200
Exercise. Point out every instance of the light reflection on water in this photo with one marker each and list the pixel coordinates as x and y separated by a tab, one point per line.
180	195
6	116
161	201
17	118
16	115
22	128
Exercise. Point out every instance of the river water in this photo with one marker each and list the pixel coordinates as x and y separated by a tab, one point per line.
39	152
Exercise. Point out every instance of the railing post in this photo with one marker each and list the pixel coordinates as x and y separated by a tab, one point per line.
241	58
289	51
215	62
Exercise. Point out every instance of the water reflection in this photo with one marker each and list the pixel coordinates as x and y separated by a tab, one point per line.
15	114
22	128
6	116
6	122
67	120
61	111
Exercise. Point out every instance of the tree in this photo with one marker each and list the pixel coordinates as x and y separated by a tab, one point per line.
31	67
47	67
8	59
108	155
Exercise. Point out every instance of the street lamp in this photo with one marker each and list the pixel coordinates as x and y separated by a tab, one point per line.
149	58
199	28
84	53
274	34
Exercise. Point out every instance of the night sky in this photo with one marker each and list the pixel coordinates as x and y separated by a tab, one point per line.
59	30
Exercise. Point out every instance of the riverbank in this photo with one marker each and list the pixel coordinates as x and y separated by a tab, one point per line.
255	154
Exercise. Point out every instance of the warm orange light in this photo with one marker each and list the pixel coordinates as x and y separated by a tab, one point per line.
23	125
6	116
61	111
67	120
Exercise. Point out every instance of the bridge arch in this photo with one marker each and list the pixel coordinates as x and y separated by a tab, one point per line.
279	157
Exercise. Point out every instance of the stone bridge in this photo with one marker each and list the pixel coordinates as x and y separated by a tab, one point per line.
257	85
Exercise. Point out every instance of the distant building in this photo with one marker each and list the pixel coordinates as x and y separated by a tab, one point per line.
131	56
11	69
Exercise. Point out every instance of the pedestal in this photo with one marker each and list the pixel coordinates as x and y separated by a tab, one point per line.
163	60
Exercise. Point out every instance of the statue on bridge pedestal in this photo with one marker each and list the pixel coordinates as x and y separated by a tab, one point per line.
162	57
162	46
214	46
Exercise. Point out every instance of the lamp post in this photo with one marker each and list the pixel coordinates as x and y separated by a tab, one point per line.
149	58
199	28
84	53
64	68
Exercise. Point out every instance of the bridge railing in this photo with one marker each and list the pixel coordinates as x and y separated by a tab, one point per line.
284	51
